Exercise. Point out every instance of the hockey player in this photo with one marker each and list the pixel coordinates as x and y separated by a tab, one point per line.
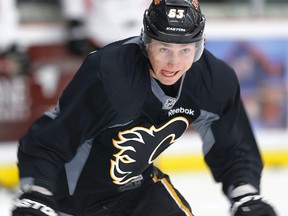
129	101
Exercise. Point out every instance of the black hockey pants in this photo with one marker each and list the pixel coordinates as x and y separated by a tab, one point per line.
157	197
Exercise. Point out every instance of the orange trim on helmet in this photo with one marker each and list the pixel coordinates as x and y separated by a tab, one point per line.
156	2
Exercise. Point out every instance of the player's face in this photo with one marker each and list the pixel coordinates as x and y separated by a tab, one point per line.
169	60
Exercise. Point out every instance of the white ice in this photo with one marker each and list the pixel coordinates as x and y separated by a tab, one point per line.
204	195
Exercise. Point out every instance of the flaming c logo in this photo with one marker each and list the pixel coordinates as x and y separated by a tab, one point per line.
140	146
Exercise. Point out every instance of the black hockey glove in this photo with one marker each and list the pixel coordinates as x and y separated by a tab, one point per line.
251	205
34	204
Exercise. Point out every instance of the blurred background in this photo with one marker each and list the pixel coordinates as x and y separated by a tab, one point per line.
43	43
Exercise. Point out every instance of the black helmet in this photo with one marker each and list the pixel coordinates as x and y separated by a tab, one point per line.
174	21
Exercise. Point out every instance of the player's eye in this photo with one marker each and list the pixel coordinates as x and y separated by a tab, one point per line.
164	50
186	50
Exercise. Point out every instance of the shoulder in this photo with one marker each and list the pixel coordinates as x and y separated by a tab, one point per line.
116	75
120	58
122	63
124	74
122	51
216	73
213	83
119	67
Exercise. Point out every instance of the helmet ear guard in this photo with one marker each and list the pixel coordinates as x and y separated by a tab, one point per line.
199	49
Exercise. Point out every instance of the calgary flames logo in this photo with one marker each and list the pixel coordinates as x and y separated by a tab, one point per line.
139	147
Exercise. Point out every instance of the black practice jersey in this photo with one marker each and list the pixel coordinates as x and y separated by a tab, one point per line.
113	120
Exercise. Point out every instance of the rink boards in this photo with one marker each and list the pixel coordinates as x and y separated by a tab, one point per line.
184	155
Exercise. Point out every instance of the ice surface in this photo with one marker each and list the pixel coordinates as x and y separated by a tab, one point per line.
204	196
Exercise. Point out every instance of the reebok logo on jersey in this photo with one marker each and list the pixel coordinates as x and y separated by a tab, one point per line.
181	110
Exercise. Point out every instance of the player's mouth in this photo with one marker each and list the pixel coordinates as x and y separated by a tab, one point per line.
167	73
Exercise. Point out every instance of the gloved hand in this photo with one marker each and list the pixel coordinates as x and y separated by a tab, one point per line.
34	204
251	205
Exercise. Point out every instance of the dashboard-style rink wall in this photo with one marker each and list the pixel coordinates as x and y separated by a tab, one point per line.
186	152
184	155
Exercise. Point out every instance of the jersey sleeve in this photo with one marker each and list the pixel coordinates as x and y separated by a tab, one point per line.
82	112
229	145
234	157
